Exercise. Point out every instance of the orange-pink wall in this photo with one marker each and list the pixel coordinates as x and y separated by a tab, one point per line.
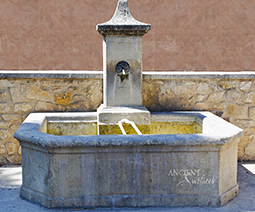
202	35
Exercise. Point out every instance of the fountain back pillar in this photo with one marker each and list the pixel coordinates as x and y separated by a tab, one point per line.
122	66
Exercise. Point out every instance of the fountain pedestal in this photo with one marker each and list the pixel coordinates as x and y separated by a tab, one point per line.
122	68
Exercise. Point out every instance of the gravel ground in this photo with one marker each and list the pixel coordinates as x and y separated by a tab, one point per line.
10	201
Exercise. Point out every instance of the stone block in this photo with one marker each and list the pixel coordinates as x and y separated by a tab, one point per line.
15	94
244	123
237	110
203	88
245	86
44	106
233	95
4	124
22	107
78	106
242	144
251	112
200	97
4	108
249	150
228	84
11	148
62	98
14	159
249	97
11	117
4	133
2	151
216	97
3	95
34	92
220	105
201	106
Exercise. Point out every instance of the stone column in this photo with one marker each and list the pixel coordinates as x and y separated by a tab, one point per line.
122	66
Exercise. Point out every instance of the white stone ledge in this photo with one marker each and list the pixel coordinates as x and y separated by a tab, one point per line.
70	74
198	75
55	74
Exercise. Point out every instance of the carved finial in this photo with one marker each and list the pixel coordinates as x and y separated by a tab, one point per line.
122	13
123	23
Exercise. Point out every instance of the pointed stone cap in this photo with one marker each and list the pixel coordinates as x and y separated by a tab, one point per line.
123	23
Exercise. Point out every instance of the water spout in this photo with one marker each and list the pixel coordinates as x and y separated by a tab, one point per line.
128	122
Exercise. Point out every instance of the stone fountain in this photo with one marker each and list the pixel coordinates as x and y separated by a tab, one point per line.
124	155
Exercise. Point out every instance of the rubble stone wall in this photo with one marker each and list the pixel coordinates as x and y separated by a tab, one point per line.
228	95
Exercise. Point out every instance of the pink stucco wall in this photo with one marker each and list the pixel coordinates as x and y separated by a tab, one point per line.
201	35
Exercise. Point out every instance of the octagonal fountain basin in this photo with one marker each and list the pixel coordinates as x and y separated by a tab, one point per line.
195	168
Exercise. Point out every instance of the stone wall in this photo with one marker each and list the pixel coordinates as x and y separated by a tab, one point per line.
229	95
23	94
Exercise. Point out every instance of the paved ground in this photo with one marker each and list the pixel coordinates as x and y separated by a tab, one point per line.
10	182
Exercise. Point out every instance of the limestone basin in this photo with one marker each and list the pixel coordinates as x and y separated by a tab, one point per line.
150	170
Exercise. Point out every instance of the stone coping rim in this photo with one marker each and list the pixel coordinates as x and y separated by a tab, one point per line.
147	75
29	133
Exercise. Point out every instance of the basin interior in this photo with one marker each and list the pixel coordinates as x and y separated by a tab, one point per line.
159	125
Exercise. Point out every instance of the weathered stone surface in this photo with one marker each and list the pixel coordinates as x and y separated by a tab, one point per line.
34	92
4	124
4	108
245	85
5	83
216	97
200	97
22	107
243	123
2	151
61	108
72	88
233	95
203	87
3	95
11	117
228	84
44	106
11	148
3	160
237	110
4	133
201	106
181	90
251	112
249	150
23	117
220	105
250	97
158	95
62	98
123	23
243	142
211	152
30	81
15	94
14	159
55	88
78	106
78	97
